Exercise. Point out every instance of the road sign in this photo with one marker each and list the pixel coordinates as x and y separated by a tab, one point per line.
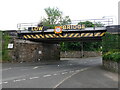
58	29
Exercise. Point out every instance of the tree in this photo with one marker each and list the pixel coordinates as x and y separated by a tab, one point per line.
90	24
54	17
87	24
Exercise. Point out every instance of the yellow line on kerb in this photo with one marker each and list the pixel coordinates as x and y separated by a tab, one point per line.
102	34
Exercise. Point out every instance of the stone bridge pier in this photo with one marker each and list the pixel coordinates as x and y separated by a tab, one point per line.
27	51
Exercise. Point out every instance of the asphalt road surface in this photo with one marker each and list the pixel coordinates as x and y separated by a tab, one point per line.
67	73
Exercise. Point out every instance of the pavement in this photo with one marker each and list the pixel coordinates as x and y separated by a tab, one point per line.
67	73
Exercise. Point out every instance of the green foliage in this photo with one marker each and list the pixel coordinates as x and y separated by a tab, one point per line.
115	56
53	14
90	24
99	24
87	24
111	49
6	39
110	42
54	18
77	46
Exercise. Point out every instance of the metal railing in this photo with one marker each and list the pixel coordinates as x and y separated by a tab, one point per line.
104	21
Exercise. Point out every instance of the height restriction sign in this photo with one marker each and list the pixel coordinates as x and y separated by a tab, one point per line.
58	29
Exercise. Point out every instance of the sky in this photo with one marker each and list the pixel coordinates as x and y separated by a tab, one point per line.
13	12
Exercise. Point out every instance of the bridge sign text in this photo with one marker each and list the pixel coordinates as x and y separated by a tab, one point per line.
73	27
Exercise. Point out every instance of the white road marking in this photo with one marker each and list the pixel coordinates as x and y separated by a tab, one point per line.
68	78
46	75
113	77
36	67
0	83
77	70
5	82
34	77
55	74
64	72
18	80
6	69
71	71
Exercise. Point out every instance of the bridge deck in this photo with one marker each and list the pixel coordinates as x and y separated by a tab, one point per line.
87	34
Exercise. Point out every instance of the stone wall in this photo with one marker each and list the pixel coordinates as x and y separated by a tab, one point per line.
27	51
51	52
78	54
110	65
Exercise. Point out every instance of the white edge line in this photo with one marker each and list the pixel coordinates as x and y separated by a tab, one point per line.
68	78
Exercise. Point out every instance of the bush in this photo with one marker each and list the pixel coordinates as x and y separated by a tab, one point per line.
6	39
111	49
114	56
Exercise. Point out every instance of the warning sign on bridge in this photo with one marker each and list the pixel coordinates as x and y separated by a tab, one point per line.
58	29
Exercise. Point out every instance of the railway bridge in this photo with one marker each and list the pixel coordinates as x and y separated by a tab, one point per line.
50	38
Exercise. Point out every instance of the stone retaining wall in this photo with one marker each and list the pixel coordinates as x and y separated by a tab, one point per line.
110	65
78	54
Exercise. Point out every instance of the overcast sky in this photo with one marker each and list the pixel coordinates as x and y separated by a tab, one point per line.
13	12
